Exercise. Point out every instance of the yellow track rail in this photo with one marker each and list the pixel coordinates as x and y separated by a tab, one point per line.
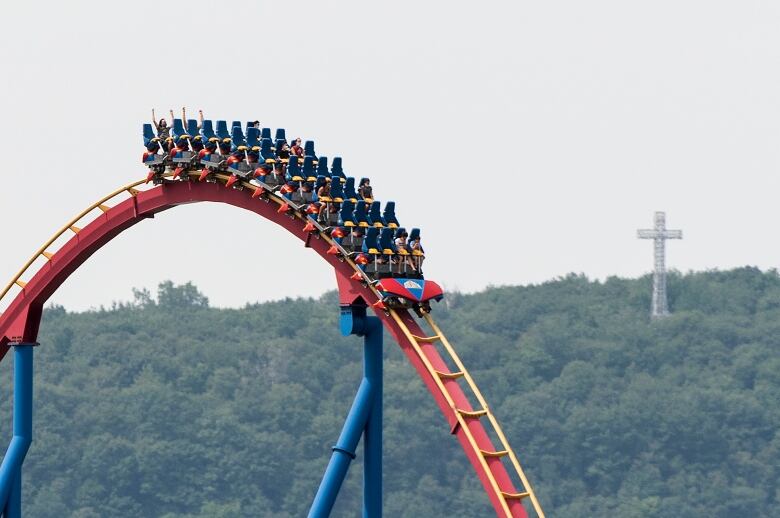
492	418
69	226
461	414
101	204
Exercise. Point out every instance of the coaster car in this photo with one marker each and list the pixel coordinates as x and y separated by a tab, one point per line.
416	294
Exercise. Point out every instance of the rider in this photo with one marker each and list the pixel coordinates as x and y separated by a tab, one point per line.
296	148
365	191
163	127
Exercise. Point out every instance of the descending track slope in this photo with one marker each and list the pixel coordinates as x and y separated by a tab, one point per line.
429	352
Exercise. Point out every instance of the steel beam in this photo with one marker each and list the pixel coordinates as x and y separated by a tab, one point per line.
364	418
11	468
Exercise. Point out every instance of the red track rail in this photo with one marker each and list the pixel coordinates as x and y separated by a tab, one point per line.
21	321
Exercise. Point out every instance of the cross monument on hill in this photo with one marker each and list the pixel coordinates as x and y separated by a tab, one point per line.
659	235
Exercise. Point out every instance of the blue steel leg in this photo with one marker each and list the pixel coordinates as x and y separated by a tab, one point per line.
365	418
13	508
343	453
11	468
372	440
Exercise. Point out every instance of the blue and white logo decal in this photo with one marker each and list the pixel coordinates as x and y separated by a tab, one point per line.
414	287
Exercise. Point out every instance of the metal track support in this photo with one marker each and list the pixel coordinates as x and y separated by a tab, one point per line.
11	468
364	418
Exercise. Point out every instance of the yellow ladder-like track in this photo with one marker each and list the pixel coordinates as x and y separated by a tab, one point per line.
102	205
463	415
493	421
70	226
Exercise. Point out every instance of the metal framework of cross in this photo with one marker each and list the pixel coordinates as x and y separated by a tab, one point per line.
659	235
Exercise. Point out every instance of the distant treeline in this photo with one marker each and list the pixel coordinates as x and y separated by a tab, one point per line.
166	407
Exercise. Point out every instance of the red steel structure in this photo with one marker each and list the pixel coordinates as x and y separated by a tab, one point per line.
468	416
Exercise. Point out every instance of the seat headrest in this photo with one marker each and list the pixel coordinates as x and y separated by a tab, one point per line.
207	130
192	128
178	128
148	133
222	130
253	137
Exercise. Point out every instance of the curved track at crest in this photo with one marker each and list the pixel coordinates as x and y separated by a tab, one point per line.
21	320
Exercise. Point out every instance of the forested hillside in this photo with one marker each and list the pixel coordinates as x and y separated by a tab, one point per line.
166	407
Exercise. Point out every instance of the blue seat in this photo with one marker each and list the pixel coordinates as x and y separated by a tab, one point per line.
280	135
375	215
349	190
192	128
414	235
308	149
370	243
180	154
346	215
337	170
222	131
267	150
207	130
253	138
294	170
238	151
195	137
149	134
322	166
360	216
336	192
178	129
152	145
386	243
309	172
265	133
235	129
238	138
389	215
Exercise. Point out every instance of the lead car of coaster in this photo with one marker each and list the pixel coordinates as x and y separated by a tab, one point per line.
416	294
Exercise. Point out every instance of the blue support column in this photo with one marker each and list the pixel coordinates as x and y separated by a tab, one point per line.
11	468
343	453
365	417
13	509
372	438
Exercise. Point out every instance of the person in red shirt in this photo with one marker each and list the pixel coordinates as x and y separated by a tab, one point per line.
296	148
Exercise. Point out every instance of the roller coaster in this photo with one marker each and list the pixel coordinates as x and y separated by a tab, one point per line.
374	273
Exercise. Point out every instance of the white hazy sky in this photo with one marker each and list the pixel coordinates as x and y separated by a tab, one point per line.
526	139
